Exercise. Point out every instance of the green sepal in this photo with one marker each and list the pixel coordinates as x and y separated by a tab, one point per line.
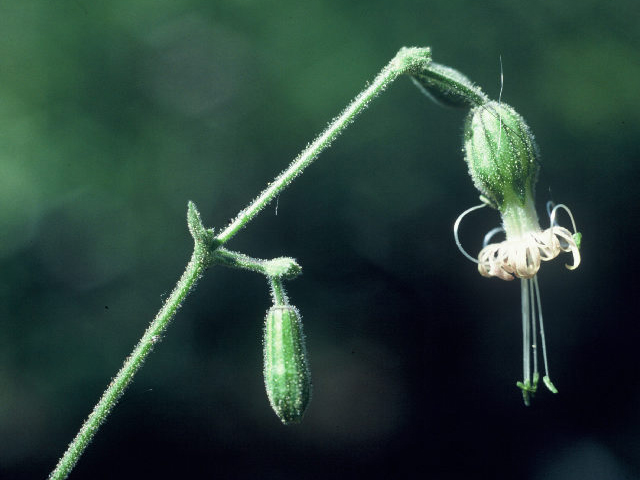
501	154
286	371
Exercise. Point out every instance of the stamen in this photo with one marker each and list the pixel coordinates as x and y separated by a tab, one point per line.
545	378
526	341
534	333
456	225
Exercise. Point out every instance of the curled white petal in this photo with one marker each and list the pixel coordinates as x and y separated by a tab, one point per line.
570	245
521	257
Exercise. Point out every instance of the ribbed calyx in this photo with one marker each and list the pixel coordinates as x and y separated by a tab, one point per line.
286	371
501	154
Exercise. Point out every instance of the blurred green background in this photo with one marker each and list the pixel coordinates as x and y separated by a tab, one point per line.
114	114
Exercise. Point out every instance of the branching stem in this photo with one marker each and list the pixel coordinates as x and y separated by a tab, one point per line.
208	251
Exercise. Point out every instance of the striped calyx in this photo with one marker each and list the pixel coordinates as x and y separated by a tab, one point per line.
286	371
501	154
448	87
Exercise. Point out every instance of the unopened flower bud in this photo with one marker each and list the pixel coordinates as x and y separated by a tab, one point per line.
501	154
286	371
448	87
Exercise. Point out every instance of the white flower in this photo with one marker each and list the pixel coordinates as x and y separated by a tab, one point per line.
519	256
503	163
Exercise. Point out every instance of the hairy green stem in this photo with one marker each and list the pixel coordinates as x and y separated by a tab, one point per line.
407	60
277	292
208	251
239	260
131	365
281	267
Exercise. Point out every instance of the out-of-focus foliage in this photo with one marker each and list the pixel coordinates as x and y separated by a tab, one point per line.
114	114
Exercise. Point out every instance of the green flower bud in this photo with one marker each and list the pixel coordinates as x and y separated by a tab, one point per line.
501	154
286	371
448	87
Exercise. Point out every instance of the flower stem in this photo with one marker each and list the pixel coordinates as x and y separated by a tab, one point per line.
276	267
278	294
407	60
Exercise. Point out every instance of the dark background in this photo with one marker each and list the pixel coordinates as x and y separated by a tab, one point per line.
114	114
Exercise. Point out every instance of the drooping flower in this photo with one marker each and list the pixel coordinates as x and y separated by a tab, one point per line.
502	159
